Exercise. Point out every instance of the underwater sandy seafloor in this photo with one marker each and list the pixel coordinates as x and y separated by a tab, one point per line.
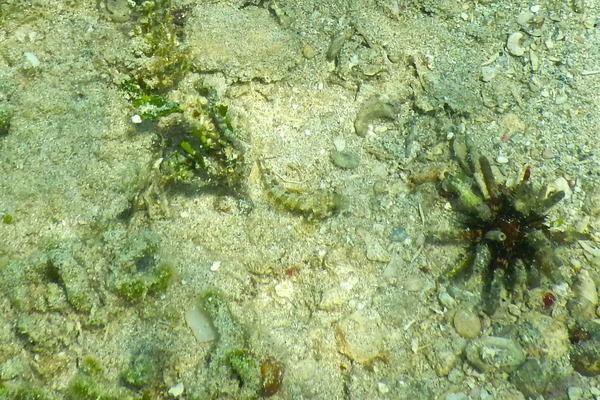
118	281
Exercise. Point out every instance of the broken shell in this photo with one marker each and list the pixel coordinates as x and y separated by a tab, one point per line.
535	60
584	287
513	44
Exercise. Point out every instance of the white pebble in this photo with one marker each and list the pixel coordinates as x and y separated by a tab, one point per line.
383	388
561	184
502	159
200	324
176	390
215	266
32	58
285	289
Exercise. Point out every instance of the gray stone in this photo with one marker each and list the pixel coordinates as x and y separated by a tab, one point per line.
495	354
345	159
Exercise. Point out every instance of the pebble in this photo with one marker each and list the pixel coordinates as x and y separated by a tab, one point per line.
383	388
177	390
414	284
446	299
585	358
575	393
535	60
444	354
200	324
345	159
513	44
375	251
339	143
512	124
502	159
359	337
467	323
585	354
285	290
398	234
371	109
532	377
308	51
488	73
493	353
524	18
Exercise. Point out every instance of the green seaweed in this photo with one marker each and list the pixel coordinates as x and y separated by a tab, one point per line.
23	391
205	149
232	356
166	60
142	371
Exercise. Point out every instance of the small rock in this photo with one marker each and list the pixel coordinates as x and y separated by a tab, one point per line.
467	323
575	393
446	299
285	290
532	377
585	353
308	51
373	108
345	159
200	324
512	124
495	354
177	390
339	143
414	284
488	73
444	354
398	234
383	388
585	358
375	251
524	18
502	159
359	337
581	308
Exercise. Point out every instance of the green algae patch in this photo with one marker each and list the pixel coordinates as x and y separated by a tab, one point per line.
234	369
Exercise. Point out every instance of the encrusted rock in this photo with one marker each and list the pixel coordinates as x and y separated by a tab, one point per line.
543	337
532	377
585	352
495	354
444	354
359	337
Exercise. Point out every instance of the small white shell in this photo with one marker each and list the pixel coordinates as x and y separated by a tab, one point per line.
513	44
